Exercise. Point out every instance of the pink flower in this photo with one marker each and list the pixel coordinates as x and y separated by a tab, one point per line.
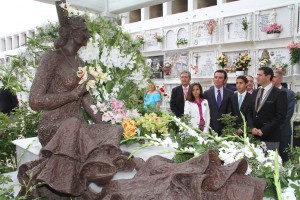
273	28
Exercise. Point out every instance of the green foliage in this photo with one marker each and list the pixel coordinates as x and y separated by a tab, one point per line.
182	157
295	56
245	24
24	123
229	123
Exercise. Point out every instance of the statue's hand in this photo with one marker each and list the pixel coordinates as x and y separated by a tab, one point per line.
80	90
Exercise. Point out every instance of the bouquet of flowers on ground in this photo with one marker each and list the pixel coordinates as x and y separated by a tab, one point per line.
210	25
281	67
181	41
222	60
273	28
294	52
242	62
158	37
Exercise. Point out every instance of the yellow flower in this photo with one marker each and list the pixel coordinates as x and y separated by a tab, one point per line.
129	127
90	84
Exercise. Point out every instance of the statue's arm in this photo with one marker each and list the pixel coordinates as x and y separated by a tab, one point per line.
39	98
87	101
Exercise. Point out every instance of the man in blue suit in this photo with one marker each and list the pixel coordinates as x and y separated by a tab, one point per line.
285	128
218	99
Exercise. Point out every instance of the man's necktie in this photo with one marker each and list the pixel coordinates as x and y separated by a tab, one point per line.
260	98
185	91
219	99
240	101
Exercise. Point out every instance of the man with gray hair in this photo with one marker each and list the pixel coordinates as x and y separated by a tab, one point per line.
179	94
285	128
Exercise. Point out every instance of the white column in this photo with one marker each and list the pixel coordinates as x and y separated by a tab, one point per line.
192	5
145	13
167	8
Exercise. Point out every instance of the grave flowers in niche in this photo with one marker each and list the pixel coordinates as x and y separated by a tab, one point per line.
158	37
242	62
281	67
273	30
140	39
181	41
294	49
222	60
210	26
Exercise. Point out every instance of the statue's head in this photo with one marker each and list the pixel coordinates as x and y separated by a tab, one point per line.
73	27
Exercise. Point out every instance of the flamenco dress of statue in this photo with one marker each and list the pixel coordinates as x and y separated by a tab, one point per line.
75	153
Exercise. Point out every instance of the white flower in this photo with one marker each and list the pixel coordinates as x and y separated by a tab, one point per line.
82	74
94	108
90	84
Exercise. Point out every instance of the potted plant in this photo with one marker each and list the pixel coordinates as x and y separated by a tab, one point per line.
245	26
222	60
181	42
273	30
281	67
242	63
158	37
295	56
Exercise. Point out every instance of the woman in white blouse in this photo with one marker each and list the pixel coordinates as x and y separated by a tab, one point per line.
197	107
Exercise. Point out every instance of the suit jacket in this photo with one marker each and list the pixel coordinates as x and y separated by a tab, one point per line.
215	112
270	116
177	101
286	129
192	109
233	107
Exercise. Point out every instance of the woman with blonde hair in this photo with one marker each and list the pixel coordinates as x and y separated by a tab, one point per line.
153	97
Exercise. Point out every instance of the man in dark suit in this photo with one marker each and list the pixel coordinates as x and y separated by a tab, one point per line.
268	109
240	103
285	128
179	93
218	98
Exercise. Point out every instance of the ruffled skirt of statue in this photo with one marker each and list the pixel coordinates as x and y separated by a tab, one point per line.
201	178
77	155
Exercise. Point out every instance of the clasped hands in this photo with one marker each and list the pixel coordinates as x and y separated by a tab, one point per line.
257	132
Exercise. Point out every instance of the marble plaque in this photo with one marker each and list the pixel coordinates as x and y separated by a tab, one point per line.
179	62
156	62
277	56
203	64
282	16
233	29
200	34
151	43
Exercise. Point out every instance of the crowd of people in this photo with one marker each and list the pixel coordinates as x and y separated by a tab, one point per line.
268	109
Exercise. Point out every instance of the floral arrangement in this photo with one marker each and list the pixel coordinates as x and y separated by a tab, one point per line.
264	62
158	37
165	95
244	24
222	60
140	39
194	68
188	143
210	26
152	123
167	64
242	62
273	28
281	67
181	41
294	52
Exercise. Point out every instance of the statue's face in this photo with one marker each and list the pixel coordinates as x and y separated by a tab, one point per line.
81	36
